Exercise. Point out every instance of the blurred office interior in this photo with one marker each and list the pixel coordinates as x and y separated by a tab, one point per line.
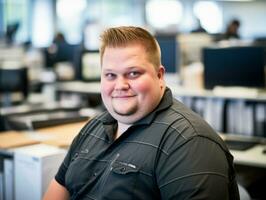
50	69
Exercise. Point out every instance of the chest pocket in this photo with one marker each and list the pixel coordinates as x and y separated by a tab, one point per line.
121	181
124	168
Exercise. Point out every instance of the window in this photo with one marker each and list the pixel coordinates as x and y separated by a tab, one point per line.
70	19
101	14
42	23
87	18
163	13
16	13
209	14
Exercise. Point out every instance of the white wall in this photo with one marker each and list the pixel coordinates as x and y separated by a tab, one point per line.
251	14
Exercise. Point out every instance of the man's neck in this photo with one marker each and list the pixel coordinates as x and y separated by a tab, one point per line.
121	128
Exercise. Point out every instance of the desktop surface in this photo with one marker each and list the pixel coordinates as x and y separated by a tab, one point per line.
247	151
240	145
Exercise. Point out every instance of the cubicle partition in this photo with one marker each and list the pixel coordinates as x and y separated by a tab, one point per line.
231	114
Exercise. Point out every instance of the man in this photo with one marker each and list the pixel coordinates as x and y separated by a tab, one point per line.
147	145
232	30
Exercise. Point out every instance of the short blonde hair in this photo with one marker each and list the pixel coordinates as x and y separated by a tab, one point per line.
129	35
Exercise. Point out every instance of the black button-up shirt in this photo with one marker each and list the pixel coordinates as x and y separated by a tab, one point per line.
170	154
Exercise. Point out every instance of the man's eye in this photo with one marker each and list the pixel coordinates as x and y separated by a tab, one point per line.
133	74
110	76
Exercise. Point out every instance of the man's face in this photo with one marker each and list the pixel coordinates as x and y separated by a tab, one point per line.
130	86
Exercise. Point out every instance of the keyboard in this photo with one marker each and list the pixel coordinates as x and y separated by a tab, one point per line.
37	120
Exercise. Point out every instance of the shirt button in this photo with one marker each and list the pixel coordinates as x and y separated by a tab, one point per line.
123	169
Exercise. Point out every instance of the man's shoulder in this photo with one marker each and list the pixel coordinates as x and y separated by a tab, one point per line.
184	125
186	122
178	115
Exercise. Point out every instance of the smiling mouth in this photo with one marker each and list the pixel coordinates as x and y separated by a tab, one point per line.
123	97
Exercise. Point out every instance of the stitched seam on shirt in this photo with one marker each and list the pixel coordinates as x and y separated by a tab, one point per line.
65	165
148	144
84	130
99	119
145	173
87	195
193	174
93	135
85	158
186	119
164	123
99	132
96	136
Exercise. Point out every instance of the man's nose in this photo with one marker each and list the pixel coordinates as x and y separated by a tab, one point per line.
121	83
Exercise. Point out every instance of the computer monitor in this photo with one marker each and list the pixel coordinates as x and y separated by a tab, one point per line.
169	53
234	66
62	52
90	66
13	80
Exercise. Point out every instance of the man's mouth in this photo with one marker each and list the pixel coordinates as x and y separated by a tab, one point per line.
122	96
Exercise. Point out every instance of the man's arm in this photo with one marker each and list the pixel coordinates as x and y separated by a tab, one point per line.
56	191
195	170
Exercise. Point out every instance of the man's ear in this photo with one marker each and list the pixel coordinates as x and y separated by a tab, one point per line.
161	72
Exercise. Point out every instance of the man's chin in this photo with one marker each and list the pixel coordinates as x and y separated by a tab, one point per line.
124	112
125	118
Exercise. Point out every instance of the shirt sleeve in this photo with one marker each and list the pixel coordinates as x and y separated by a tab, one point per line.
198	169
60	175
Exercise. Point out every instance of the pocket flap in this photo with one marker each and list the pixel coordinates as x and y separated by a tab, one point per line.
124	168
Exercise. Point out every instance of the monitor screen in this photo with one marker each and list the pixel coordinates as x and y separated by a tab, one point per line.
14	80
90	66
169	52
234	66
62	52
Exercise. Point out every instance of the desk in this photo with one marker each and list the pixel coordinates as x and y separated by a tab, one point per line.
253	157
90	88
61	136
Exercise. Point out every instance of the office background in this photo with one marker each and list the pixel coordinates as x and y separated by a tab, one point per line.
39	20
50	72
